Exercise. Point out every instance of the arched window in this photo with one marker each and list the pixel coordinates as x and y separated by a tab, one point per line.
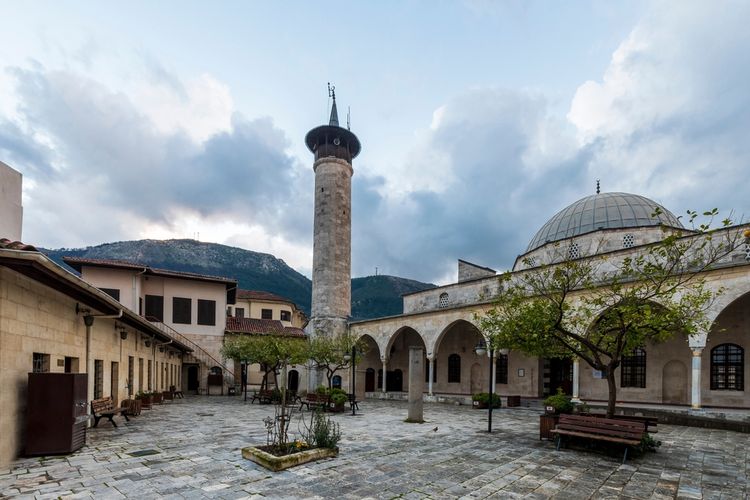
454	368
443	300
727	362
336	382
633	369
501	369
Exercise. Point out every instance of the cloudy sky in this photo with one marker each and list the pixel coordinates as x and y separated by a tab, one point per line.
478	119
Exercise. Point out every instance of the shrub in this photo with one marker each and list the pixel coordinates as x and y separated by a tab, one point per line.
648	443
321	390
484	398
339	399
322	432
560	402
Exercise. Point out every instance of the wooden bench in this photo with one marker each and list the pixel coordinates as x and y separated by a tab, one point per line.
652	423
105	407
353	401
262	396
175	393
314	400
626	432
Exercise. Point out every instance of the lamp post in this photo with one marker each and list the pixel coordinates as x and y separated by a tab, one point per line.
481	350
353	396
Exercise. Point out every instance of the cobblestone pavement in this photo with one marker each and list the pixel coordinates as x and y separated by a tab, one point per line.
196	444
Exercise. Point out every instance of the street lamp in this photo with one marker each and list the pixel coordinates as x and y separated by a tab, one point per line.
481	350
353	396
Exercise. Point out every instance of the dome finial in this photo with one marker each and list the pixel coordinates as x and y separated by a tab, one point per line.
597	186
334	121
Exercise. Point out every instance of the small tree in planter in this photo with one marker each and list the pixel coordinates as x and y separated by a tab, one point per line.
334	353
560	401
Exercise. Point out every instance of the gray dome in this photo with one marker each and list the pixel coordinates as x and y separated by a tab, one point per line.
602	211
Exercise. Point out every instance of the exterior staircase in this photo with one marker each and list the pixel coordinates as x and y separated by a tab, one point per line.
199	354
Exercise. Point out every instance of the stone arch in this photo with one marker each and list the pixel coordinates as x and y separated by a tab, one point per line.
459	337
730	326
370	361
397	355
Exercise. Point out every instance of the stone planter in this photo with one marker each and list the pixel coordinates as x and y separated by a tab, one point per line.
146	402
276	464
158	398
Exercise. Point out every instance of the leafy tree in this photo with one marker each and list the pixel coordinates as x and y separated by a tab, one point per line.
334	353
269	350
600	308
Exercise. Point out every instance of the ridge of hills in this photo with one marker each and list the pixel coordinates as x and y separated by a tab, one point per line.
372	296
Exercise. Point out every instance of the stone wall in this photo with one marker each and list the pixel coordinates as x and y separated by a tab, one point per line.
37	319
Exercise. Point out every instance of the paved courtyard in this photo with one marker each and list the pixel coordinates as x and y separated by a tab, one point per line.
195	453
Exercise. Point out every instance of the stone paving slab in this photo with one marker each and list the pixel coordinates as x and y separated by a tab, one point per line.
197	442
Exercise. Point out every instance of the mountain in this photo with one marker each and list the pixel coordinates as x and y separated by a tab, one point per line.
377	296
372	297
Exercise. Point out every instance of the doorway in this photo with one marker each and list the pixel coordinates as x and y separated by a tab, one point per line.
192	379
674	383
114	381
394	381
293	382
370	380
560	375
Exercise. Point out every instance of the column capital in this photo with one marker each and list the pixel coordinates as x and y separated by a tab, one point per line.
697	351
384	359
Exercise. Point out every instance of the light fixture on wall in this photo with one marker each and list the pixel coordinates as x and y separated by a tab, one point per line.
123	334
161	349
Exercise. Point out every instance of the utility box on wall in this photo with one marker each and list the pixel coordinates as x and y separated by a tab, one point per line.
56	413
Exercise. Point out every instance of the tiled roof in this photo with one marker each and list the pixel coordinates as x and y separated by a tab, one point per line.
294	331
260	295
78	262
16	245
261	326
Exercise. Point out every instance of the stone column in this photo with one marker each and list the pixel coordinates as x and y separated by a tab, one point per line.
695	399
385	371
416	385
576	380
431	369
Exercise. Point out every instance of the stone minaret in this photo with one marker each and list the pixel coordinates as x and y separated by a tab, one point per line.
333	147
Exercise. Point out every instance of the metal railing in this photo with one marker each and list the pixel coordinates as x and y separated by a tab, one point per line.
198	353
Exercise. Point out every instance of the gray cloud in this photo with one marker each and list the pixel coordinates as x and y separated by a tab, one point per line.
103	142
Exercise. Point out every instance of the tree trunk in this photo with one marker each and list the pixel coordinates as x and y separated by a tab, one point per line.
612	392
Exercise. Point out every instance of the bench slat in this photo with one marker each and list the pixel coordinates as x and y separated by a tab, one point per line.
601	431
632	442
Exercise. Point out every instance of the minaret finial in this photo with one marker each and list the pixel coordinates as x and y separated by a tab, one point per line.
597	186
334	121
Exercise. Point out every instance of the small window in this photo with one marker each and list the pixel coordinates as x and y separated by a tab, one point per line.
628	241
71	364
286	316
98	378
501	369
266	314
206	312
747	251
336	382
443	300
574	251
112	292
131	374
239	312
182	310
454	368
531	262
155	307
40	362
727	363
633	369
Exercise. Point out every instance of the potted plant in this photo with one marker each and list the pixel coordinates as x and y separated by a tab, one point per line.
158	398
145	399
481	401
338	399
554	405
